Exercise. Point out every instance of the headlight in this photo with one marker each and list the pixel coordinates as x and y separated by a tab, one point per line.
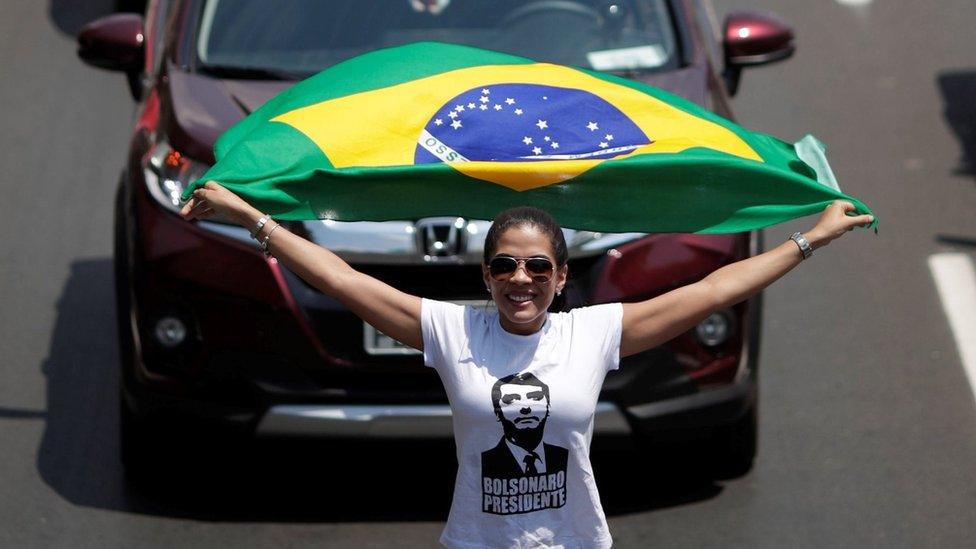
716	329
169	173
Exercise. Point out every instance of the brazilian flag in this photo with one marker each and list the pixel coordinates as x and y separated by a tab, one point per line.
432	129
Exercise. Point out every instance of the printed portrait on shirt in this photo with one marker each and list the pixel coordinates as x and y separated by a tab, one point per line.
522	473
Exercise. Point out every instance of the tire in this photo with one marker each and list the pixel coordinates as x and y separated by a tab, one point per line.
135	449
152	449
732	448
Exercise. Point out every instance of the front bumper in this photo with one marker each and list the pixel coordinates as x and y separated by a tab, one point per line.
696	411
402	421
701	410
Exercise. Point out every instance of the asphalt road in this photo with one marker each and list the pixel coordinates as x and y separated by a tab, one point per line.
868	425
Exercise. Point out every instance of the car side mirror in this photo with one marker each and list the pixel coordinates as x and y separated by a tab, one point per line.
751	39
115	42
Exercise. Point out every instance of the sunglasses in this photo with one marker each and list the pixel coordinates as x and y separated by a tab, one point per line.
504	266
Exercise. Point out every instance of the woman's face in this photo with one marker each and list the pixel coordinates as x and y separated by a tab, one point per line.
522	301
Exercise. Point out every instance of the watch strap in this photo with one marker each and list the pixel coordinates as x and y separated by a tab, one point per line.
802	243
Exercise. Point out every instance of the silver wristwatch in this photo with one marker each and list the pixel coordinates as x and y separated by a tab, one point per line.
260	225
805	247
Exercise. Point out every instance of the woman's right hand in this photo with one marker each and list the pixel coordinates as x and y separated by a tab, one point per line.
395	313
215	200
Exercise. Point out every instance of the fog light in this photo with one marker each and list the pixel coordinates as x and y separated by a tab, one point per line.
714	330
170	331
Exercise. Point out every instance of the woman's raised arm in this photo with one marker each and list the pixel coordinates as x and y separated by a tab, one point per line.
395	313
649	323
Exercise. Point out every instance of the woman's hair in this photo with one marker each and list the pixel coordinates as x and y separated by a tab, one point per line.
526	216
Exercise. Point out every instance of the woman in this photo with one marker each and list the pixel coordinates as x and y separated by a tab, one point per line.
526	482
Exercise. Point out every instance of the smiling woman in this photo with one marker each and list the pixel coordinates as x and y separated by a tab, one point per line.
531	241
537	373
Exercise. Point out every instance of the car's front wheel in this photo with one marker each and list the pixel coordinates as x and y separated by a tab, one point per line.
156	448
732	447
134	448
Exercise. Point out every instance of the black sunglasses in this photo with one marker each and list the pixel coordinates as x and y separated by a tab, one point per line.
504	266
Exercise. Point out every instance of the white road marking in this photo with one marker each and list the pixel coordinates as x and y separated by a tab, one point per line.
955	279
853	2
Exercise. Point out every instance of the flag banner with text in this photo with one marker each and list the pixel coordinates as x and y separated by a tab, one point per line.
432	129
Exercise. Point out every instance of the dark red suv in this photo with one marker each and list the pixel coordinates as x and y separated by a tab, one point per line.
210	329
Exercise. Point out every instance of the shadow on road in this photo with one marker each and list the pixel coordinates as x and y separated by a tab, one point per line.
20	413
959	108
69	16
270	480
956	240
77	457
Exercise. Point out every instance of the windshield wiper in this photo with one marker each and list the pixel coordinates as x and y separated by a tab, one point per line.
250	73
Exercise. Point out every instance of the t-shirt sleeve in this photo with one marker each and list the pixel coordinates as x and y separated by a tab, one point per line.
604	323
438	321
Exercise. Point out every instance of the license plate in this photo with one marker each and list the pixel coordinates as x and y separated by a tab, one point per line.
377	343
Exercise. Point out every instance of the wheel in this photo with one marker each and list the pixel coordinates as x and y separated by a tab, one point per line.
153	450
135	448
732	448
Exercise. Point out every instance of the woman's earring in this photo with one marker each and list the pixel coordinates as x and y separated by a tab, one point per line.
559	293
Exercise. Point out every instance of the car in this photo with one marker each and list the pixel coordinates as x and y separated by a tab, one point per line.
213	331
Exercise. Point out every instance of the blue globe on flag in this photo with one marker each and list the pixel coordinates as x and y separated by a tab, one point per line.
526	122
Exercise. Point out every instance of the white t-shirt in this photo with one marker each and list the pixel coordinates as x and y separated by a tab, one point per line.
524	480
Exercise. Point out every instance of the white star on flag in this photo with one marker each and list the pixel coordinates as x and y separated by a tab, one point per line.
497	107
518	112
485	91
459	108
452	114
546	138
603	144
536	150
509	101
527	140
592	126
554	145
608	137
542	124
483	107
456	124
483	99
438	121
470	105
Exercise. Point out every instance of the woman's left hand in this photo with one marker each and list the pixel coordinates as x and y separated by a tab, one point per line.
834	223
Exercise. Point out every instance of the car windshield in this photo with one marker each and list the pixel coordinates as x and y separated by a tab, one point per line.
296	38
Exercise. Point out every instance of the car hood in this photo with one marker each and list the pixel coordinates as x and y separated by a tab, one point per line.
199	108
